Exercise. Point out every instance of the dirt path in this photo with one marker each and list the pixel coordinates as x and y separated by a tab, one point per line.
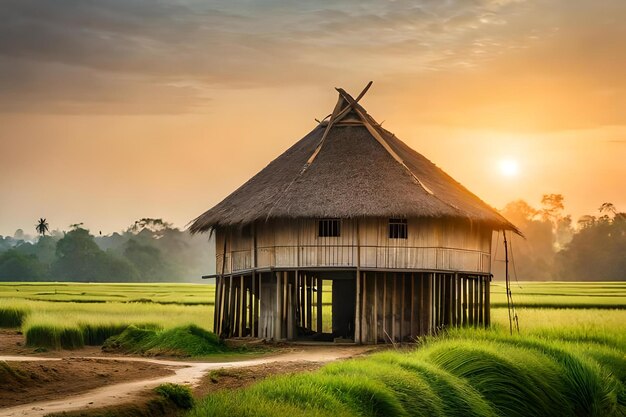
189	373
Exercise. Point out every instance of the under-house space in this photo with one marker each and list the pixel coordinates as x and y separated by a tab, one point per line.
350	236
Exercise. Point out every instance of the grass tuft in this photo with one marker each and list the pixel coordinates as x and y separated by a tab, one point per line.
178	394
189	340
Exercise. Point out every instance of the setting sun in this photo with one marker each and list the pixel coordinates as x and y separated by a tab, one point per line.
509	167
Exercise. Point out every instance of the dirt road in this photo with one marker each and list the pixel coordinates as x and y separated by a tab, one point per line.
188	373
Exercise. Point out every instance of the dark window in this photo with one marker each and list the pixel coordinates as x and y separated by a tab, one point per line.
397	229
329	227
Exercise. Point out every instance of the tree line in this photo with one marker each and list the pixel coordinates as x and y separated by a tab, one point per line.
553	247
150	250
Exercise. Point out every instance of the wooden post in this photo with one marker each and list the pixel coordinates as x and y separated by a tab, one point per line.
459	299
481	293
384	305
255	308
394	306
289	312
320	284
472	301
365	322
231	307
412	332
278	314
260	313
402	307
216	306
309	302
375	308
431	303
357	307
487	301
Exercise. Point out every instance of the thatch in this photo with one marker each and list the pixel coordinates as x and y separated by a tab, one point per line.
358	170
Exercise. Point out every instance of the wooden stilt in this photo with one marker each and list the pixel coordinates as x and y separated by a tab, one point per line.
384	306
320	285
231	307
376	321
365	319
412	333
402	308
241	307
309	304
487	301
481	292
278	313
459	300
290	314
357	309
394	306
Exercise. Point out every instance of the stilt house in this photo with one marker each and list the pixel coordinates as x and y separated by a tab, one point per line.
350	235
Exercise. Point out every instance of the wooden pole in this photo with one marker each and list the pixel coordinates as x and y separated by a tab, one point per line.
481	293
487	302
309	302
231	307
241	305
289	312
376	308
255	308
384	304
402	307
320	284
412	333
459	299
357	307
394	306
365	320
278	313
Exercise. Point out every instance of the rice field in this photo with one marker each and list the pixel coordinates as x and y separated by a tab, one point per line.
568	359
49	310
608	295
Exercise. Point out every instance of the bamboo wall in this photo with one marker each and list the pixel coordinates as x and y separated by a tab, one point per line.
443	245
386	307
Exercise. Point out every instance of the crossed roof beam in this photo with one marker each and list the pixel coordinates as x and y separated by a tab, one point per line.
339	112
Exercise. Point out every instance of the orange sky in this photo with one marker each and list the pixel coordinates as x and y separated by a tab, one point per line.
115	110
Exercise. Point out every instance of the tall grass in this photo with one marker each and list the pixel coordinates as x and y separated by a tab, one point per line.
12	313
187	340
467	372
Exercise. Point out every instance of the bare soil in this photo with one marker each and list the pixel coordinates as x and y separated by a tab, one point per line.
26	382
235	378
89	382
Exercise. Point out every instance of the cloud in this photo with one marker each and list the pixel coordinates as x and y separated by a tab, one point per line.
468	59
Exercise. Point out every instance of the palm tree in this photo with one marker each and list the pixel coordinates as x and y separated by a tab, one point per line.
42	227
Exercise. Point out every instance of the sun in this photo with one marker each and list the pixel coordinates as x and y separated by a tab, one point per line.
509	167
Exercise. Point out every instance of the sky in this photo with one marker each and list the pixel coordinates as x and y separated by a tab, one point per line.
114	110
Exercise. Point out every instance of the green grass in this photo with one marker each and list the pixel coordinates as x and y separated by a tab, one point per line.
599	295
54	336
12	314
178	394
466	372
186	294
188	341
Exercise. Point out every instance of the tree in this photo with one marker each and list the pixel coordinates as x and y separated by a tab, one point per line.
552	206
42	227
16	266
596	253
608	208
80	259
533	254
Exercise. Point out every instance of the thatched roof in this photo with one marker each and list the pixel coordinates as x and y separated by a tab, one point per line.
349	166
